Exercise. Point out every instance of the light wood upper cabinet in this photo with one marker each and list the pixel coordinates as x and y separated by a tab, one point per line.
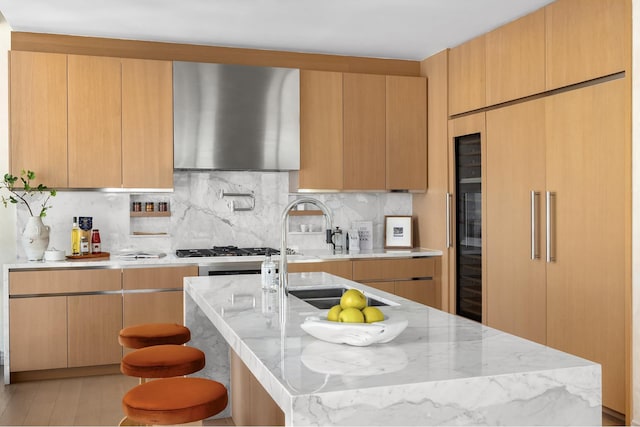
364	131
147	124
586	39
406	121
38	119
515	59
95	111
515	166
91	122
467	84
321	130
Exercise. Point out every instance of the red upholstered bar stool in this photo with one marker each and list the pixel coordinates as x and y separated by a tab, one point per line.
162	361
174	401
148	334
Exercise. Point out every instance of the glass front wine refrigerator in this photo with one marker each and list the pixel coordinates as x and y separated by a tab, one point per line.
468	179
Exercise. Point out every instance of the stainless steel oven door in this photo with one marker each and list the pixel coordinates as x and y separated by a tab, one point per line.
229	268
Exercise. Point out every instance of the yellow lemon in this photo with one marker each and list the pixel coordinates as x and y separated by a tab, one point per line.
351	315
372	314
353	298
333	313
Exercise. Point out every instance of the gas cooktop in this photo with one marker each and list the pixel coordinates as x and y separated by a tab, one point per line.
225	251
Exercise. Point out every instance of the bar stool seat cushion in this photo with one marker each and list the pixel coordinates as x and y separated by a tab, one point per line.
162	361
148	334
175	400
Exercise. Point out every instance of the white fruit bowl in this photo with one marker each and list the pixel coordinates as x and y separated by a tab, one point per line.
357	334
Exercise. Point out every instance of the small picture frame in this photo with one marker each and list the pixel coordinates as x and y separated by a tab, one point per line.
398	232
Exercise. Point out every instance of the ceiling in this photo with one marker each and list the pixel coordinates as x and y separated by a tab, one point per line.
398	29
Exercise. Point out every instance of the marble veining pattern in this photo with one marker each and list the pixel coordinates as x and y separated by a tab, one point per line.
442	370
200	217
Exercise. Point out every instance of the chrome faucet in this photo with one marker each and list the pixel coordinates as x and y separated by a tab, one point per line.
283	274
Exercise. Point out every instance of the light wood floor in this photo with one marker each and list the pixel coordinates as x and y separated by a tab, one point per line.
88	401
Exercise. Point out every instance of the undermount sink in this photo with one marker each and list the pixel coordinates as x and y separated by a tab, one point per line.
325	298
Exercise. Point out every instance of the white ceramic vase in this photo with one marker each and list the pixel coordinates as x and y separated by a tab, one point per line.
35	238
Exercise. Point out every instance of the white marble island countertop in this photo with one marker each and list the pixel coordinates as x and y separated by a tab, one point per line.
442	370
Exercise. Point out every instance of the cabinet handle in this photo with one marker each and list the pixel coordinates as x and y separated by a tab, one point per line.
448	219
535	235
551	209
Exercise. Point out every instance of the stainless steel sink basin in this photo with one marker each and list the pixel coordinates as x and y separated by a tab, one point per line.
325	298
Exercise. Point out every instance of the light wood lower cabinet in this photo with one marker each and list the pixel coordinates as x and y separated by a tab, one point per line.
93	323
80	329
152	307
251	405
50	332
161	299
38	331
409	278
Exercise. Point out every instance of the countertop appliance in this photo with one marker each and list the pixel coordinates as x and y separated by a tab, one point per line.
236	117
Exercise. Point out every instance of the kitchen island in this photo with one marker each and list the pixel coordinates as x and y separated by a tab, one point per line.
441	370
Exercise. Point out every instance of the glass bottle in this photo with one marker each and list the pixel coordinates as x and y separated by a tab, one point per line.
75	237
84	246
268	273
95	241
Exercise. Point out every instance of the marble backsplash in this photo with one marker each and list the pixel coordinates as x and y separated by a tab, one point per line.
201	217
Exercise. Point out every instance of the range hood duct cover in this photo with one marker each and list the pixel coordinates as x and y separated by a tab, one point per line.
235	117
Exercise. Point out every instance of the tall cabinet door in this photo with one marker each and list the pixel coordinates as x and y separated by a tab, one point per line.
38	119
406	126
364	132
515	176
147	124
586	178
431	207
95	148
321	157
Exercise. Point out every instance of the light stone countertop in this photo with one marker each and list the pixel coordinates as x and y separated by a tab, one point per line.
442	370
172	260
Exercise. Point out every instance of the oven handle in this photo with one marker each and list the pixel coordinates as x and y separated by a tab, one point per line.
206	271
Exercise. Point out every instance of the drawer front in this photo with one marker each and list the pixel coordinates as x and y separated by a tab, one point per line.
392	269
64	281
422	291
157	278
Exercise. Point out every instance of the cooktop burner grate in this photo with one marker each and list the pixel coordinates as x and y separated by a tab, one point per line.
217	251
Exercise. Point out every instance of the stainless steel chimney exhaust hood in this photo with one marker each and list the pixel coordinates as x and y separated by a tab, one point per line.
235	117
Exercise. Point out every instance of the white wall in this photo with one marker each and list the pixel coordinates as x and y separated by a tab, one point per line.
7	216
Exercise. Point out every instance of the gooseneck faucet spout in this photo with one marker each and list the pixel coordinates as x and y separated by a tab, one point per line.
282	274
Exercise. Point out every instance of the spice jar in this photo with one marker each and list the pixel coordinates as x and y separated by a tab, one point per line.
95	241
148	207
162	206
137	207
